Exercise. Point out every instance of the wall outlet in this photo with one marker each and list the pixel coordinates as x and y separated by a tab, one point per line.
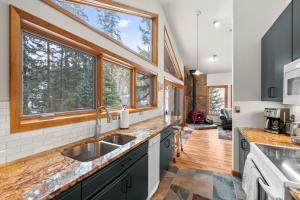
237	109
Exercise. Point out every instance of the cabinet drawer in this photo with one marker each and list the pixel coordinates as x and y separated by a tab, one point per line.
99	180
74	193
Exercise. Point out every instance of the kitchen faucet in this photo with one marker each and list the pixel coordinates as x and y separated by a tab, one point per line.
98	121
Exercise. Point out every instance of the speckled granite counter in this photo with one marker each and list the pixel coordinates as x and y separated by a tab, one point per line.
45	175
260	136
263	137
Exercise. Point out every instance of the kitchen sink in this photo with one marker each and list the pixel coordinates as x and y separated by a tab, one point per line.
119	139
89	151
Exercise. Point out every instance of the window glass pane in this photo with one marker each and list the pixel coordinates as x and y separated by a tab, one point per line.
143	89
216	99
133	31
56	78
116	85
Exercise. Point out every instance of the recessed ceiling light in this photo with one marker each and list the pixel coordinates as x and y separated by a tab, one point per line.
216	23
213	58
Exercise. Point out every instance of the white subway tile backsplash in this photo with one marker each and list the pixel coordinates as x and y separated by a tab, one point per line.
14	146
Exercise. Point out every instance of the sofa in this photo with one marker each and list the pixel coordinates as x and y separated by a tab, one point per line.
226	118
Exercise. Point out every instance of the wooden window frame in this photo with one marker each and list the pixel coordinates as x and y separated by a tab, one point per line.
20	20
119	7
170	50
174	85
226	97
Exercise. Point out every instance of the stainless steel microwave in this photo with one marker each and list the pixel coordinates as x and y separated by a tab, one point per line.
291	83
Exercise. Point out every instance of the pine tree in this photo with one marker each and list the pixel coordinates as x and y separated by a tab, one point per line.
110	92
216	100
145	28
74	8
143	88
109	23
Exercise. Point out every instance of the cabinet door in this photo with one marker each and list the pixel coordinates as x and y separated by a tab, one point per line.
276	52
138	180
115	190
74	193
296	29
244	150
165	153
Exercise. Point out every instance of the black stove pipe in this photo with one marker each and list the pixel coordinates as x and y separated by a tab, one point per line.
194	90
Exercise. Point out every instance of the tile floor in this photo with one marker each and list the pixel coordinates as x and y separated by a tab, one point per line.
195	184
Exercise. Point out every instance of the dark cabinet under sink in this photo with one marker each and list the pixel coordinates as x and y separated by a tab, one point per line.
119	180
166	149
131	185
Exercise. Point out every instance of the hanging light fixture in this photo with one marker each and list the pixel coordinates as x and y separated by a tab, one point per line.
197	72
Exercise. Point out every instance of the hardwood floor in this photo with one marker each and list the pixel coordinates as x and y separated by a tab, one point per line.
204	150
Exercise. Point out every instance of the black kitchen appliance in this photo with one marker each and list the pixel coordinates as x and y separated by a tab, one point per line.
276	119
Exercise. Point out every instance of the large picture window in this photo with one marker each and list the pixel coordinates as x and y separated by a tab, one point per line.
217	99
133	29
56	77
143	89
116	85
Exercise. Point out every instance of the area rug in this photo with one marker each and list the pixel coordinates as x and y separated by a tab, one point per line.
202	126
225	134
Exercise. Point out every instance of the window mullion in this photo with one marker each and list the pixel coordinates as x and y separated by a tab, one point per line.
133	88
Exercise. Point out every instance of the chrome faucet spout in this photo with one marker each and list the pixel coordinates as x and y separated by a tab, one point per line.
98	121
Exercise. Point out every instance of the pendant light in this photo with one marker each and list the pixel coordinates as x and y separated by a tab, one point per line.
197	72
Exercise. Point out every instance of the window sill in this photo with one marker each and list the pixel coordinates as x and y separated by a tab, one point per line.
39	123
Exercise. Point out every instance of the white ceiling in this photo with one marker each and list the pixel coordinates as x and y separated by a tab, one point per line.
181	15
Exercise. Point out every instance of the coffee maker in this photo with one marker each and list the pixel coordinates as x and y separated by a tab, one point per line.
276	119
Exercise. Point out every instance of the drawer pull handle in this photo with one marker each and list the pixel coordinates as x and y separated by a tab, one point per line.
129	181
124	185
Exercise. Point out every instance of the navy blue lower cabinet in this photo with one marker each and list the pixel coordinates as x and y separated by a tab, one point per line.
74	193
138	180
116	190
124	179
166	153
243	153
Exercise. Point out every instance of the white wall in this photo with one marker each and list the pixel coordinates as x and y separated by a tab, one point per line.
13	146
251	20
219	79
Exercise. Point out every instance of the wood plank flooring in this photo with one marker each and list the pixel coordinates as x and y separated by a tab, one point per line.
204	150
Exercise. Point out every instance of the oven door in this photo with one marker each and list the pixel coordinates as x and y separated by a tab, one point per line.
291	83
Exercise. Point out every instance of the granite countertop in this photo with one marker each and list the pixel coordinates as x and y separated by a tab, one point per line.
260	136
47	174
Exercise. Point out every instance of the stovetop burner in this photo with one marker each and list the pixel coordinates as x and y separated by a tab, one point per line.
287	160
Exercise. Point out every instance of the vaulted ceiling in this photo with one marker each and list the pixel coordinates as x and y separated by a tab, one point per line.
181	15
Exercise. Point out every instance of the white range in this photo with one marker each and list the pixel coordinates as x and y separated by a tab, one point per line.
279	166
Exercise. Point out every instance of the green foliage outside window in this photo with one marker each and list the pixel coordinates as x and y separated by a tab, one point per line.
133	31
116	85
143	90
56	77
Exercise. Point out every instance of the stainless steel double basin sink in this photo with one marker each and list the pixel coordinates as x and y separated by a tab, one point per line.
91	151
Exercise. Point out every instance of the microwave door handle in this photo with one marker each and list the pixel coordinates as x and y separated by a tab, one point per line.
267	189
